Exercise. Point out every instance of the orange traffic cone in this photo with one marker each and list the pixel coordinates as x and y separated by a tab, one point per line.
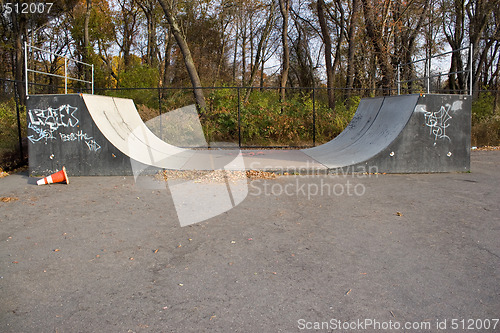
57	177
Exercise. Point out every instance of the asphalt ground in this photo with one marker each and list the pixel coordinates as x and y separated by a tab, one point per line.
417	252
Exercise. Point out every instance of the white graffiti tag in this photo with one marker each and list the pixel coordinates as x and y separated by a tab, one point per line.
78	136
45	122
438	122
54	118
92	145
42	134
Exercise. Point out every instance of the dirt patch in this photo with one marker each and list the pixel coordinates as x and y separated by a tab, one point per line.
214	176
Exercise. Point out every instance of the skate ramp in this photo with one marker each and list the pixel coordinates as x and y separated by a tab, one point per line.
100	135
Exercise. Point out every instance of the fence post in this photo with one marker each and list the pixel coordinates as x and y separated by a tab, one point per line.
159	108
65	75
470	68
428	62
399	79
26	67
314	117
239	118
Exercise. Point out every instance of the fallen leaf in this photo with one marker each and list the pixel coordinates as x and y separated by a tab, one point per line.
8	199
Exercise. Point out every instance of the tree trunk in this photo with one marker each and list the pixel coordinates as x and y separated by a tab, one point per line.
284	9
235	54
328	53
375	34
351	48
186	54
455	38
19	31
243	55
86	45
168	49
259	54
479	16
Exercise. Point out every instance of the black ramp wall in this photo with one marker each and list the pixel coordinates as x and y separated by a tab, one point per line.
436	138
61	132
412	134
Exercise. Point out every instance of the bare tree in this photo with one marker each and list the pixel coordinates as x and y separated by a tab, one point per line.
126	23
259	55
285	10
351	47
168	9
148	7
325	35
375	28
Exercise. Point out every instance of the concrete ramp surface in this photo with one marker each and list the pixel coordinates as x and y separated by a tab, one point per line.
100	135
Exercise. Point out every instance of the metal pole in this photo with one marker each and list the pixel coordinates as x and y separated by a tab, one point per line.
314	117
239	119
399	79
159	108
470	68
429	76
26	67
65	75
92	79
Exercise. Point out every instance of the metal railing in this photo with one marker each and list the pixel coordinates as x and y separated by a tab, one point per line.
428	76
65	76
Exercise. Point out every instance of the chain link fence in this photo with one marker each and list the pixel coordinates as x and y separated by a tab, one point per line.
245	117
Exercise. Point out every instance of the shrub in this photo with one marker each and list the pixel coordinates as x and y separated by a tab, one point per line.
485	123
9	137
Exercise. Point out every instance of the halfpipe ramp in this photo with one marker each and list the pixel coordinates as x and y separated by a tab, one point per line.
100	135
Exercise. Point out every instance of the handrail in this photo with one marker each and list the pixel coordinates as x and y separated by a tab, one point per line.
65	76
427	77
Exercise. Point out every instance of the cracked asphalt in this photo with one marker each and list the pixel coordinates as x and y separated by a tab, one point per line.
103	254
